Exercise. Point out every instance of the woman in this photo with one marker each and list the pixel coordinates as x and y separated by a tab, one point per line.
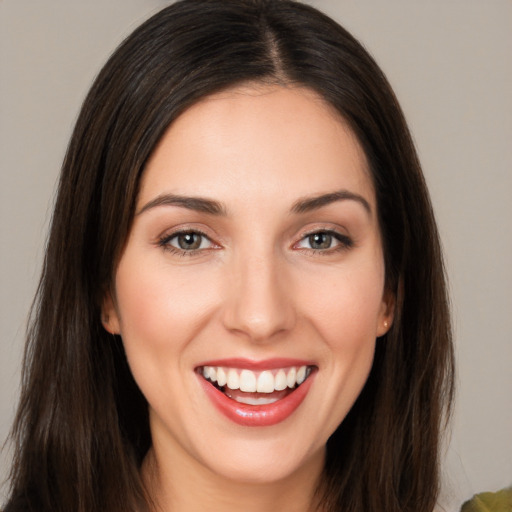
242	303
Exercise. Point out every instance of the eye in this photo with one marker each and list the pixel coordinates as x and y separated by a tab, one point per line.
320	241
325	241
186	241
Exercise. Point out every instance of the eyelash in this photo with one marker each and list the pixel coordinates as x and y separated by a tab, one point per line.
165	240
344	242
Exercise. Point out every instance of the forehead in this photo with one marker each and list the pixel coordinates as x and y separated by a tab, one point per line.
259	142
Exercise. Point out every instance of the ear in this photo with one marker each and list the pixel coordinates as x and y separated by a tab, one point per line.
109	315
386	314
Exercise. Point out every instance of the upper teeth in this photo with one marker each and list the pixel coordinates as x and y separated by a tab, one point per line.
248	381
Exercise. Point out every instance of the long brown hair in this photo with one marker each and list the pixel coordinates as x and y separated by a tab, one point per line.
81	431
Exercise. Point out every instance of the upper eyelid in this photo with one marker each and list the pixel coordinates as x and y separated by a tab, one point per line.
165	238
326	229
344	240
164	242
185	231
173	234
176	231
217	241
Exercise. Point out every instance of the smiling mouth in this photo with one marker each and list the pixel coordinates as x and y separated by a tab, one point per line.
256	388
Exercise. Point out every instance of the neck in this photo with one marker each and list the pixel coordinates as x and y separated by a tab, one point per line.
194	487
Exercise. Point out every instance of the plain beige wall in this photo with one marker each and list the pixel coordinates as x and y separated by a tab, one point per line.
450	62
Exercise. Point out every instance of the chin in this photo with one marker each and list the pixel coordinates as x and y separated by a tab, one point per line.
261	463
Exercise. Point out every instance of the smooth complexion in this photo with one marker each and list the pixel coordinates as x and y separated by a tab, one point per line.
255	238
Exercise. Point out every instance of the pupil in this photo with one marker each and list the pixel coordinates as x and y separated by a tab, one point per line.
320	241
189	241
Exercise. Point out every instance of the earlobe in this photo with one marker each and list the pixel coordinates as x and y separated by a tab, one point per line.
387	314
109	316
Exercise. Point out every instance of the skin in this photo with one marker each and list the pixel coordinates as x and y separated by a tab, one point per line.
254	289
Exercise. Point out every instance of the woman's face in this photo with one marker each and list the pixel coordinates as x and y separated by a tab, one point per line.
254	262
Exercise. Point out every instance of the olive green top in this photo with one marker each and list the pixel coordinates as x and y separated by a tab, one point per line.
500	501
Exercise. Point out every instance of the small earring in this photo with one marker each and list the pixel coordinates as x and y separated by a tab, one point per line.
386	324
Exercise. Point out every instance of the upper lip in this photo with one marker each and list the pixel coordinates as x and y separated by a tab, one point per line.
264	364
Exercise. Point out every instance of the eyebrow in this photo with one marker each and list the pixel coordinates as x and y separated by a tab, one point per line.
198	204
212	207
314	203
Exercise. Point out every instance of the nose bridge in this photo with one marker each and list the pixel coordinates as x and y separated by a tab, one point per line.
259	304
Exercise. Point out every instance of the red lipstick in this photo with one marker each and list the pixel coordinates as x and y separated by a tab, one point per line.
258	415
269	364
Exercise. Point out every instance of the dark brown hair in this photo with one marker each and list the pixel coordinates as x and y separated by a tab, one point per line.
81	430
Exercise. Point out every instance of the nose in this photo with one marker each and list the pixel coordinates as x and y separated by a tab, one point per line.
259	303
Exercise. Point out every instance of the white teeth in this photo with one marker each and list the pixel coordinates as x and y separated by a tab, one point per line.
254	401
212	373
265	382
221	377
291	378
248	381
233	381
280	381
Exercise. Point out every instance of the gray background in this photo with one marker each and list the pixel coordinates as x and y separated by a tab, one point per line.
450	63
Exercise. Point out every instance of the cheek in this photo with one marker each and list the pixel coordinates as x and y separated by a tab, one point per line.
345	306
346	313
348	325
160	313
160	310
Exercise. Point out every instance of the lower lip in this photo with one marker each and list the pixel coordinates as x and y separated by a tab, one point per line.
257	415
